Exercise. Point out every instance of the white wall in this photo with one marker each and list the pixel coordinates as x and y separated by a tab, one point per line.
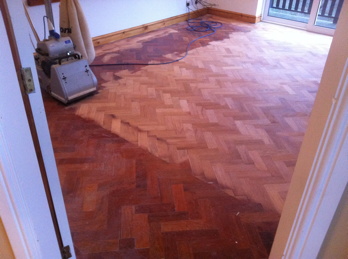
5	245
107	16
251	7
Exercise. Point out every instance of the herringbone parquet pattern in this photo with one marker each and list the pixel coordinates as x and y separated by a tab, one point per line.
236	108
207	145
123	202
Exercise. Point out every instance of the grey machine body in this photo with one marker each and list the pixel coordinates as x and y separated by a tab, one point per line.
62	72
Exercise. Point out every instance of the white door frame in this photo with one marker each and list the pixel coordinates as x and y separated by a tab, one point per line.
21	31
320	176
23	205
312	19
326	183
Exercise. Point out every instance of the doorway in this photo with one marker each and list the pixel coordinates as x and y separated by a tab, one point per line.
313	15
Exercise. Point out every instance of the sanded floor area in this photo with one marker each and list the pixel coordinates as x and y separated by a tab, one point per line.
236	108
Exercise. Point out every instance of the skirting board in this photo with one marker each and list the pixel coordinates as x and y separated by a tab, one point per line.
233	15
118	35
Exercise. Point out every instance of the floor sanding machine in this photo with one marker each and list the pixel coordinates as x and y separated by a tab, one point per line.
62	71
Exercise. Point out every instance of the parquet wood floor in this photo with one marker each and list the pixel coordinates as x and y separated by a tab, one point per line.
236	108
191	159
123	202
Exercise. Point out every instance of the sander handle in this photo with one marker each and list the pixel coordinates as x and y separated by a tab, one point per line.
76	56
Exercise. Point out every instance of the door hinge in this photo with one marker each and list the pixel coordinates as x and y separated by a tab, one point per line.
27	78
66	253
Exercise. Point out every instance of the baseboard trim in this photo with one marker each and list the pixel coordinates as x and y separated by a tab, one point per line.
234	15
118	35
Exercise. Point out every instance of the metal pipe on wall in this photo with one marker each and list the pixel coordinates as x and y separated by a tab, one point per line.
49	12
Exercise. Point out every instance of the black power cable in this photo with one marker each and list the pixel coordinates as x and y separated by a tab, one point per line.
196	25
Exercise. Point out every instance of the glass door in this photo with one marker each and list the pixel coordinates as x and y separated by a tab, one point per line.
325	17
313	15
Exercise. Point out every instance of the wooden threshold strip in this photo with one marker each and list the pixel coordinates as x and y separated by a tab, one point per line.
119	35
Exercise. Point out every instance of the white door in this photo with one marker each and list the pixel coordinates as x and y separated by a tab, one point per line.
320	176
313	15
21	31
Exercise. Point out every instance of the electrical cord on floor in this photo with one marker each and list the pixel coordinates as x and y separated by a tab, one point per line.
203	26
196	25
